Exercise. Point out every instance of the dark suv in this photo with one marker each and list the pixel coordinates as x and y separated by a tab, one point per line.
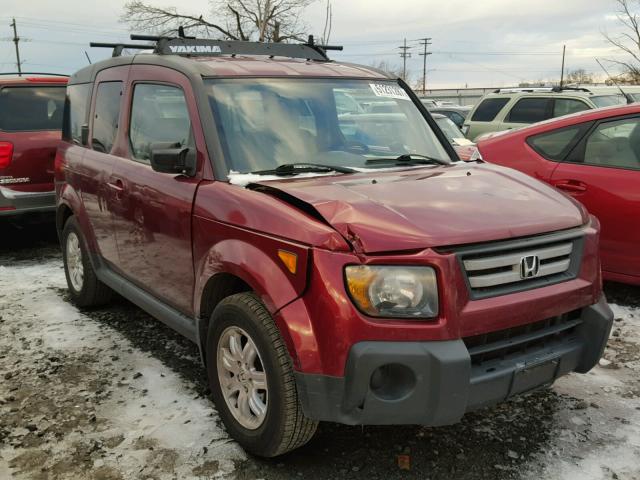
330	265
30	122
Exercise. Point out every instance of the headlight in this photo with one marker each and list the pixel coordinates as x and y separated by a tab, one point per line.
397	292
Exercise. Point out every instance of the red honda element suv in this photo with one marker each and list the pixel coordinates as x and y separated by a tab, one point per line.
330	265
31	107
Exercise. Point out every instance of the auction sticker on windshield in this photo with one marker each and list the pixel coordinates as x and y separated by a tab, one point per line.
389	91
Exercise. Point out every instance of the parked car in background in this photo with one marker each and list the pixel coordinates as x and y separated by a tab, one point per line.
457	114
594	156
465	149
31	109
506	109
330	266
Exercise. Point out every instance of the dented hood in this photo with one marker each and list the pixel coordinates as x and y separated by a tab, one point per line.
431	207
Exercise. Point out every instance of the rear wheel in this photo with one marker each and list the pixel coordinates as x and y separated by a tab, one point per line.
84	287
251	378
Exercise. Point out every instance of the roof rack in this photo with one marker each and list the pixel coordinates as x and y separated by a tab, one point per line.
119	47
523	90
183	45
574	89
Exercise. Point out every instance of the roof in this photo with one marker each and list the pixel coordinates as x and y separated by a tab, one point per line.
234	66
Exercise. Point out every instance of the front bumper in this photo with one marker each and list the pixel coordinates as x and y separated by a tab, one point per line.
13	202
436	383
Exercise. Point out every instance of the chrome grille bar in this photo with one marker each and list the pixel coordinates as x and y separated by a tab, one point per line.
482	272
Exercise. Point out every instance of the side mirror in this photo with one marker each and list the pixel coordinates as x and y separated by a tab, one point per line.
84	135
173	158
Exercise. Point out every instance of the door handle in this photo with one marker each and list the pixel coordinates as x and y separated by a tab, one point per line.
117	185
571	186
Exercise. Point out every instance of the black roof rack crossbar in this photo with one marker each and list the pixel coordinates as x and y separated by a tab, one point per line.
119	47
574	89
35	73
189	46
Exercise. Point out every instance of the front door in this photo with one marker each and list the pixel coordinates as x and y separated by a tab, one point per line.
603	172
153	225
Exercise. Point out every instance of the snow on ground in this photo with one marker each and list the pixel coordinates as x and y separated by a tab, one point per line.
107	410
611	396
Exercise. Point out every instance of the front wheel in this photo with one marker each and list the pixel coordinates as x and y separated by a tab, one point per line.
251	379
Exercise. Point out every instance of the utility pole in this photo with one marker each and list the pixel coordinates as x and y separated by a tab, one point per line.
404	54
16	40
564	49
425	42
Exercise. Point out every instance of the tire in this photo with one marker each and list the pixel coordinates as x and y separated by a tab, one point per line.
283	427
84	287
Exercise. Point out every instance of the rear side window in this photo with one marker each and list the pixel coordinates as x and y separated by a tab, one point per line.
530	110
106	115
557	144
76	111
488	109
567	106
31	108
159	115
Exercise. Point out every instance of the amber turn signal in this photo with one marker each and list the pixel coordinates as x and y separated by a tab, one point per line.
289	259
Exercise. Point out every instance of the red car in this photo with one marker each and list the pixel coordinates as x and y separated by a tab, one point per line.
329	267
594	156
30	122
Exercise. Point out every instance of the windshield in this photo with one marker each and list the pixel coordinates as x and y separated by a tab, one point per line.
450	130
608	100
265	123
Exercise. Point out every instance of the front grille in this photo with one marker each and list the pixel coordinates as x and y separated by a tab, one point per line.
505	267
523	339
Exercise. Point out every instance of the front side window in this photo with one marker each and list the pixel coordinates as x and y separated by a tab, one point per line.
24	109
76	111
615	144
567	106
530	110
489	109
159	117
265	123
106	115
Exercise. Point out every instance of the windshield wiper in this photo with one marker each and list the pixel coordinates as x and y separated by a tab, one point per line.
409	159
296	168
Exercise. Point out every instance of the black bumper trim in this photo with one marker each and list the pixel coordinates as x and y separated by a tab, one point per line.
446	385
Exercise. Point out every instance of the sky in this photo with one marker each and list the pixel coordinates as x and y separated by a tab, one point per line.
475	43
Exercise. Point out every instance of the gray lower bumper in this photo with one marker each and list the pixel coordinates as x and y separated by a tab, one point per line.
436	383
14	203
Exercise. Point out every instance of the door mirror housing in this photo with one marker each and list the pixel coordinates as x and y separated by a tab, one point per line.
84	135
173	158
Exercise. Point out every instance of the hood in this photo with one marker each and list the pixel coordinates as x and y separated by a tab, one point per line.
431	207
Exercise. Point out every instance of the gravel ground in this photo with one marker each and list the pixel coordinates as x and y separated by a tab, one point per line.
113	394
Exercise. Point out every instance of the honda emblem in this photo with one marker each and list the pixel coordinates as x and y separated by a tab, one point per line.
529	266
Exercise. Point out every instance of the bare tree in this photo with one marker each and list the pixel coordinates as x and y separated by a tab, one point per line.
260	20
579	75
388	67
629	40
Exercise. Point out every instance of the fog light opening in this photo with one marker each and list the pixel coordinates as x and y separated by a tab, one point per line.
392	382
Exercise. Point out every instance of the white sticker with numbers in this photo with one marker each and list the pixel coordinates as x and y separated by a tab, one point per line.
388	90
